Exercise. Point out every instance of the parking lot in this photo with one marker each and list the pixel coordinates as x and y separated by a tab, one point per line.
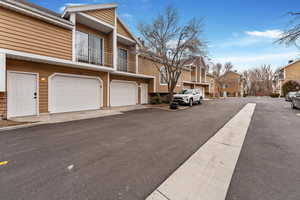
128	156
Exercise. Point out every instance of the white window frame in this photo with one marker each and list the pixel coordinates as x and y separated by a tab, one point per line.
127	64
89	49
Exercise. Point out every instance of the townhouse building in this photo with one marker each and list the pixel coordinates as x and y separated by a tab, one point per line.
290	72
231	84
84	59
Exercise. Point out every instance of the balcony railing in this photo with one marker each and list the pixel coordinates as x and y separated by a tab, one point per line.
126	65
106	59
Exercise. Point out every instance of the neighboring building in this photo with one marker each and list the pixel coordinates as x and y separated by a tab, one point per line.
84	59
290	72
230	85
212	86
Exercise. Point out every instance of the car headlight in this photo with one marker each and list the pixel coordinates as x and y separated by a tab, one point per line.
185	98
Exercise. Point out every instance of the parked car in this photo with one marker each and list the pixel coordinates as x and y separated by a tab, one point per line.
290	95
188	97
296	101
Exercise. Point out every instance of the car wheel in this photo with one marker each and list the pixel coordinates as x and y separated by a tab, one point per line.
199	102
191	102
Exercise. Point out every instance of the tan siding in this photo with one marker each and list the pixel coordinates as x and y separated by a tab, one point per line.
293	72
186	76
46	70
131	57
23	33
233	81
148	67
2	105
122	31
105	15
108	47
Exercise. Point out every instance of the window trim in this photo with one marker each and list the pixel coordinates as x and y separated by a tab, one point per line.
102	49
127	63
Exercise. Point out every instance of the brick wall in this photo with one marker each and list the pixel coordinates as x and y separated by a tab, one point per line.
2	105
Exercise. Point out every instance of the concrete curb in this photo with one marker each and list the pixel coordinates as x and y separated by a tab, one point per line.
55	121
206	175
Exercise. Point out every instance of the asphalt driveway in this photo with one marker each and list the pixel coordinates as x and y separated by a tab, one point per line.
117	157
269	164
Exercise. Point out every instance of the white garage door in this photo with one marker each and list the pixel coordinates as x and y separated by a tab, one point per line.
123	93
74	93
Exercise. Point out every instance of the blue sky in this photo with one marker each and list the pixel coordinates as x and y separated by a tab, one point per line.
240	31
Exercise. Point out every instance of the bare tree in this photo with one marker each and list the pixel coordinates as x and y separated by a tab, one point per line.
261	79
227	67
172	44
292	35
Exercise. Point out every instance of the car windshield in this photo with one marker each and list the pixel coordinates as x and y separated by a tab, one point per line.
292	93
186	92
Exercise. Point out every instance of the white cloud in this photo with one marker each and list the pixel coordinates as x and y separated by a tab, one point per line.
126	15
274	34
247	61
62	8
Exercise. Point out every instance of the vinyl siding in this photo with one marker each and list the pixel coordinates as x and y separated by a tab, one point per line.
131	57
147	67
293	72
46	70
105	15
108	46
122	31
23	33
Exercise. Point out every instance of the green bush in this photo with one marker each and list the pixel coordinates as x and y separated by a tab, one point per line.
274	95
157	99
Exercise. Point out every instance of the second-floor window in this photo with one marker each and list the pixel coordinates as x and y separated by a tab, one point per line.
122	59
89	48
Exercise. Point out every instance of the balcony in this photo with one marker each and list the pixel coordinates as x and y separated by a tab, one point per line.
106	59
125	65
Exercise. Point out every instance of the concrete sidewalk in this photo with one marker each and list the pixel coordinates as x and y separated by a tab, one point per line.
29	121
206	175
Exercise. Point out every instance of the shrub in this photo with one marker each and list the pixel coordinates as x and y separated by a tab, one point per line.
274	95
290	86
157	99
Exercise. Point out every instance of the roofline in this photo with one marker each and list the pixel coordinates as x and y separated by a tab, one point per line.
33	12
87	7
295	61
127	29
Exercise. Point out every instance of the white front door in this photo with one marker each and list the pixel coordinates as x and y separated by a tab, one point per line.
144	93
123	93
70	93
22	94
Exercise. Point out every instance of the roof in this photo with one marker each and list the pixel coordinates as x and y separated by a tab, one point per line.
25	2
288	65
31	9
87	7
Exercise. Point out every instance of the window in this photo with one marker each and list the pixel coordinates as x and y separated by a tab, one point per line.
163	76
122	59
89	48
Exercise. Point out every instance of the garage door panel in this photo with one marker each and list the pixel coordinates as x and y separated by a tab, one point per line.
123	93
70	93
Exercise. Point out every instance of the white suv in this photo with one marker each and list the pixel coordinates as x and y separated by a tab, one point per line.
188	96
